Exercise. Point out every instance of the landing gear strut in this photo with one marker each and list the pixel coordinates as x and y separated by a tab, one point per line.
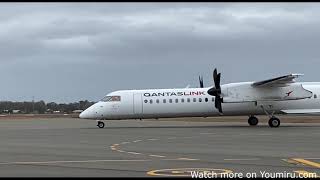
100	124
273	121
253	121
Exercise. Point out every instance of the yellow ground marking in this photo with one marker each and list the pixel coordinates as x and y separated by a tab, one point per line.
153	155
306	174
248	159
310	163
137	141
84	161
184	172
113	149
188	159
133	153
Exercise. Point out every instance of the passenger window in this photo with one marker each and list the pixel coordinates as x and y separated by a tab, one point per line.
150	101
164	100
212	99
145	101
177	100
315	96
206	99
182	100
157	101
188	100
170	100
194	99
200	99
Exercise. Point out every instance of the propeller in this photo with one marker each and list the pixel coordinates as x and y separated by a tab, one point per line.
201	81
216	91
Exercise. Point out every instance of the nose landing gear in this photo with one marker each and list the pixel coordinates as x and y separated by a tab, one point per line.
100	124
253	121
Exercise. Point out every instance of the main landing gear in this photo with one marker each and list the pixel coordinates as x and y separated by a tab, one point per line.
273	121
100	124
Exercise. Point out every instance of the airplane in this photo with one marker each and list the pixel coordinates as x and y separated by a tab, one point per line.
280	95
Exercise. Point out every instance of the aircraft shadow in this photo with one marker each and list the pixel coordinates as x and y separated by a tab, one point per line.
207	127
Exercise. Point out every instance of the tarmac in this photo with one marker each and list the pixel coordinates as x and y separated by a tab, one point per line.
72	147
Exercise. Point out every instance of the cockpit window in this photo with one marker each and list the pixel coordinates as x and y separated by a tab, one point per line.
111	98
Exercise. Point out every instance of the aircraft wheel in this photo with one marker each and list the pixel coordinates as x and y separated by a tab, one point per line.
274	122
100	124
253	121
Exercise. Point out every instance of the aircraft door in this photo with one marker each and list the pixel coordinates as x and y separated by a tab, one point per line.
137	101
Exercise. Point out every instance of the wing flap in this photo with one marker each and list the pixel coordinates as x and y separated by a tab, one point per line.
278	81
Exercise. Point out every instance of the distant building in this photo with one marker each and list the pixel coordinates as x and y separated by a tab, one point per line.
16	111
78	111
6	111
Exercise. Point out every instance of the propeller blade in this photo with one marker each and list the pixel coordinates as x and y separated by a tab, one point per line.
220	108
215	74
201	81
217	103
217	81
216	78
216	91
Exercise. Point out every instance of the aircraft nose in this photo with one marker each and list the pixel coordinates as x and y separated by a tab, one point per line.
92	112
84	114
88	113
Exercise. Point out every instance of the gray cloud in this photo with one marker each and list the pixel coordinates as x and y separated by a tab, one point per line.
71	51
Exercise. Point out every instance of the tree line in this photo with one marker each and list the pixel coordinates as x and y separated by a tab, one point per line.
40	107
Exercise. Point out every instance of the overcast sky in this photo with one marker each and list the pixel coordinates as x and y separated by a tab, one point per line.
66	52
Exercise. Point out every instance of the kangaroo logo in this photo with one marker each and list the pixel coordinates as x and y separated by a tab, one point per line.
288	93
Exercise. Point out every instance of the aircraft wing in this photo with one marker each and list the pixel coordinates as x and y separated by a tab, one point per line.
277	82
301	111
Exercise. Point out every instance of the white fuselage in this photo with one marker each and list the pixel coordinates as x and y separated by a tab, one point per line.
238	99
